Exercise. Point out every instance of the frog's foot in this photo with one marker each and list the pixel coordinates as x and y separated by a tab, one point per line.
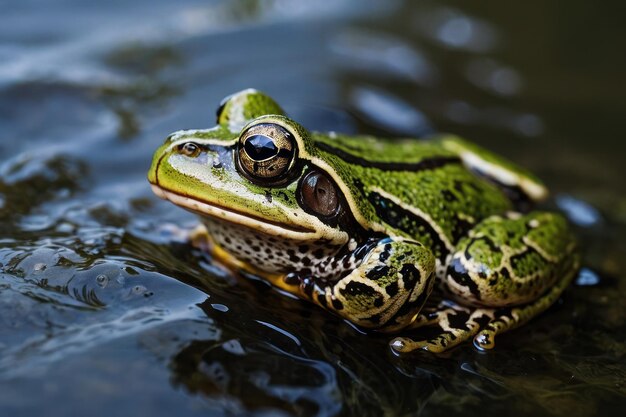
510	269
199	238
455	325
509	318
434	312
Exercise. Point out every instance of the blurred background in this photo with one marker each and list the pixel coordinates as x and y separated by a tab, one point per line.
104	310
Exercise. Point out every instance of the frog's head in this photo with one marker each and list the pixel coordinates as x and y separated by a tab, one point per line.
254	171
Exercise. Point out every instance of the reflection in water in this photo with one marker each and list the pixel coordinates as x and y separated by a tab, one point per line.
32	179
271	366
487	74
524	124
262	377
578	211
390	113
587	277
382	55
456	30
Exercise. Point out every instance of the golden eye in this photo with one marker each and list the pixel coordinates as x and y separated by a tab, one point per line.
189	149
266	151
319	194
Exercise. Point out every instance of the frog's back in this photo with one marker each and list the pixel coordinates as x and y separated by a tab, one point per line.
416	188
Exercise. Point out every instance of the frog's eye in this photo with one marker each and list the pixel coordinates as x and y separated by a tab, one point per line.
319	194
266	151
189	149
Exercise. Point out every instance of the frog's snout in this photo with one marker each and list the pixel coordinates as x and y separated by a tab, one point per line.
158	191
153	175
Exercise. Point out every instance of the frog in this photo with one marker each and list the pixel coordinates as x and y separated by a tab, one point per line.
390	234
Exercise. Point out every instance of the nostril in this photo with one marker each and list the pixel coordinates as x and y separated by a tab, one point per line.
216	162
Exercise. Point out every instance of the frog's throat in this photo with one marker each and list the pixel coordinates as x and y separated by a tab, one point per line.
227	214
276	279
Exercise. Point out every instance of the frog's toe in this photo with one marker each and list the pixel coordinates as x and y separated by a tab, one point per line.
405	345
504	320
509	318
438	344
199	238
485	340
456	325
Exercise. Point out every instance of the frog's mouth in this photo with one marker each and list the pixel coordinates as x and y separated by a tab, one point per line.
222	213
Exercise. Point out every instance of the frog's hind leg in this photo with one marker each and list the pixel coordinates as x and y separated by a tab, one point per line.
511	269
452	323
522	187
457	324
509	318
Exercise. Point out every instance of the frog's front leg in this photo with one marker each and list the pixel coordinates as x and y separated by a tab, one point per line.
385	291
510	269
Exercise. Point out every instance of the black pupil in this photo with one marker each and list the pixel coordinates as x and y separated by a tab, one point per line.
260	147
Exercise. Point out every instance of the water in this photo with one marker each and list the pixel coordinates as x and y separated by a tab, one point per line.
105	310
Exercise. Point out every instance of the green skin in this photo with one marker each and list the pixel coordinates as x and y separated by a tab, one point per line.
408	216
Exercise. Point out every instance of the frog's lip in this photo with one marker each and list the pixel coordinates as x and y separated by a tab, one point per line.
223	213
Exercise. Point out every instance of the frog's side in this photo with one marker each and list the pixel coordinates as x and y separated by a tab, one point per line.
365	227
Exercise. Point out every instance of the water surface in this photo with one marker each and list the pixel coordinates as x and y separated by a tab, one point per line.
105	310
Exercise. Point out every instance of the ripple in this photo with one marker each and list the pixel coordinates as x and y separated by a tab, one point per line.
457	30
285	383
494	77
115	311
383	55
389	112
39	352
578	211
525	124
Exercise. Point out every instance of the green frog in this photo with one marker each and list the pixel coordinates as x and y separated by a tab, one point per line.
390	234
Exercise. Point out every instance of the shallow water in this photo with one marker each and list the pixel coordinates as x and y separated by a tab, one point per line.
105	310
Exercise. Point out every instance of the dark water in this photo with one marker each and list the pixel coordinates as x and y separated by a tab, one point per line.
104	311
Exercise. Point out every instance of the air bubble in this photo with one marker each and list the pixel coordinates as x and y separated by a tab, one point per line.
233	346
220	307
587	277
39	267
138	290
102	280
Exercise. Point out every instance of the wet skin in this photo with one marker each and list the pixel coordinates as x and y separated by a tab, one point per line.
388	234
